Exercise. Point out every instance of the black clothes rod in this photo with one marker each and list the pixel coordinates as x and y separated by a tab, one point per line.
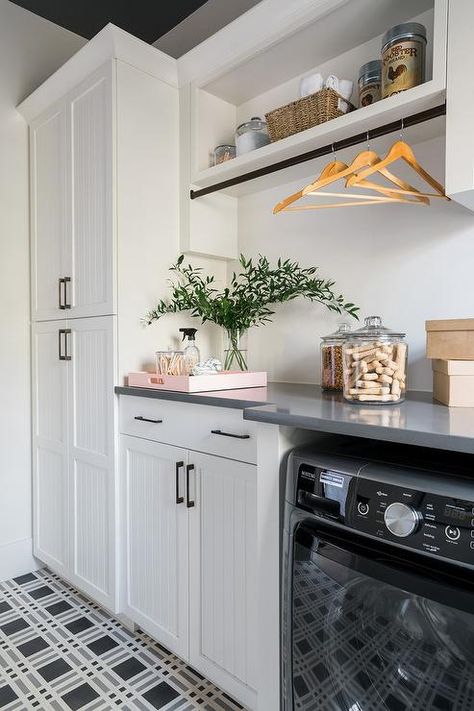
384	130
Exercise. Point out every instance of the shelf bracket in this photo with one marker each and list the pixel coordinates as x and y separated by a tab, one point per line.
384	130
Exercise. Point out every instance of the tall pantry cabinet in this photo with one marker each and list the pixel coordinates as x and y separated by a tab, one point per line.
104	217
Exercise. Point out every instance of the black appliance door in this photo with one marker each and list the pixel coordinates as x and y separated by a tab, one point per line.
373	633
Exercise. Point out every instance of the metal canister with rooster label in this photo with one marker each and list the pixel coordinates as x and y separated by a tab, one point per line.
403	58
370	78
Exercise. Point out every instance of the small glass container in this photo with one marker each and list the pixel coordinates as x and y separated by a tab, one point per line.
171	362
375	364
251	135
332	376
223	153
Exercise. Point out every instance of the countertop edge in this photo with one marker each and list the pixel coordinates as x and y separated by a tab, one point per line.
190	398
269	411
414	437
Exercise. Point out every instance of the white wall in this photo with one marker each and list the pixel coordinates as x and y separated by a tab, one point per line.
30	50
406	263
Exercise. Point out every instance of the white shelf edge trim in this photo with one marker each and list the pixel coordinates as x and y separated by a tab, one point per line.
391	109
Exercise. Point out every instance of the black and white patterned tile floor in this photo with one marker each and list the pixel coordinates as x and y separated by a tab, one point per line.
59	651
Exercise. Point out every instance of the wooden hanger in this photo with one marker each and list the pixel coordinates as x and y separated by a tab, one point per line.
399	151
368	160
336	170
356	201
330	169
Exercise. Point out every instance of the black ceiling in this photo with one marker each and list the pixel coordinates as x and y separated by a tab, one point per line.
147	19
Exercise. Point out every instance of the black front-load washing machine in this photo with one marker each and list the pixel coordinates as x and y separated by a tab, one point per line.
378	587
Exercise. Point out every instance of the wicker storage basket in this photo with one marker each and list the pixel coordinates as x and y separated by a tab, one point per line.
304	113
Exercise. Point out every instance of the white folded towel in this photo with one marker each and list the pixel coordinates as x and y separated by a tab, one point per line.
332	82
311	84
343	87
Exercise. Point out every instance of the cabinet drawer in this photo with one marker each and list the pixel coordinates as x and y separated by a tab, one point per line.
213	430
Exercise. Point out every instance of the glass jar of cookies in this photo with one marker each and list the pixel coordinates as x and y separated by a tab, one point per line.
375	364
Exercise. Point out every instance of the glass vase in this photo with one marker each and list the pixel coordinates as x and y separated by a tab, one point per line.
235	352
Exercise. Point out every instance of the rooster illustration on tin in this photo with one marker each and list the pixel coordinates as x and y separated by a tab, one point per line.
394	74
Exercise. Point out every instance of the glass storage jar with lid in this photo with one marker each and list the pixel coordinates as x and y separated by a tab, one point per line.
251	135
223	153
332	376
375	364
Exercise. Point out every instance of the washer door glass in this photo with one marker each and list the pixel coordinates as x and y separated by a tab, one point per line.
369	636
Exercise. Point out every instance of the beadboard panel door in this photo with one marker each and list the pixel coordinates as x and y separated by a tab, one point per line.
92	421
92	161
49	229
156	540
223	575
50	435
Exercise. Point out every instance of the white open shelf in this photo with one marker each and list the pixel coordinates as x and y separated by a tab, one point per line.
420	98
270	78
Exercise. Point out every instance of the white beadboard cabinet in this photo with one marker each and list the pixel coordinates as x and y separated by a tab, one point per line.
71	202
156	540
90	107
49	243
92	419
104	219
223	574
74	421
50	446
189	531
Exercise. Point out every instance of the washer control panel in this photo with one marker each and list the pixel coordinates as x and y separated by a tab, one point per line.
423	521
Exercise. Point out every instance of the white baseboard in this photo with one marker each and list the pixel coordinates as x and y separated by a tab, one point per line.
16	558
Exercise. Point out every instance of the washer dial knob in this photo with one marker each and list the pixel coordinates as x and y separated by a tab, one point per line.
401	519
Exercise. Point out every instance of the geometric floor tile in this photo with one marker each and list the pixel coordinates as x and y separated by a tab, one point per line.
54	669
7	695
61	652
79	625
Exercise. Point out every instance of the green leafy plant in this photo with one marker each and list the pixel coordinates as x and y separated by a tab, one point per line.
248	299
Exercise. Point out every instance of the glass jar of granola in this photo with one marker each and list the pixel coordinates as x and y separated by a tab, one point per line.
331	358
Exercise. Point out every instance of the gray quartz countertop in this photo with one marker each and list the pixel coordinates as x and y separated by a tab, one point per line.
419	420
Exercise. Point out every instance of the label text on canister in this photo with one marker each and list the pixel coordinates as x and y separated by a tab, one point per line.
402	67
369	94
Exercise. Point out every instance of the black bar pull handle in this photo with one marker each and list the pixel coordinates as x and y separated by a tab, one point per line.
140	418
230	434
189	503
61	304
66	281
61	332
67	355
179	466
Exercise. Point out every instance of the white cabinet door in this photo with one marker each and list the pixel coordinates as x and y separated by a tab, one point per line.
223	576
156	540
50	481
49	230
92	272
91	452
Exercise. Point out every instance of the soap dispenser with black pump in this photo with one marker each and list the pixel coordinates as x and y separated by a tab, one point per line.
191	352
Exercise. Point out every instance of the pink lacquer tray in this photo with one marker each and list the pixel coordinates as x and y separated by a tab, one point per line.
226	380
